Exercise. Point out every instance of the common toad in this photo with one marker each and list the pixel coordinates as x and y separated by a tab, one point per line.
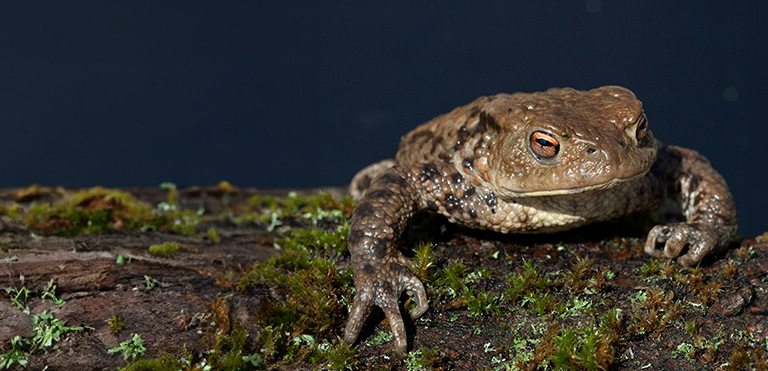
528	163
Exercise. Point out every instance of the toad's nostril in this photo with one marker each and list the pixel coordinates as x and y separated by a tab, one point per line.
591	150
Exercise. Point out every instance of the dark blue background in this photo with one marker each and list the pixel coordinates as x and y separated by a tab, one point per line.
289	94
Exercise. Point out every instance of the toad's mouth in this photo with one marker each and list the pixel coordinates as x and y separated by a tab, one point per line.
576	190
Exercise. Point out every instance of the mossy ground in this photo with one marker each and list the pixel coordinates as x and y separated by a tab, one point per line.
223	278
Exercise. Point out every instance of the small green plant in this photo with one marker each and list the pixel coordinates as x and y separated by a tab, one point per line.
589	347
131	348
526	280
315	207
380	338
254	360
213	235
320	214
650	268
19	298
173	192
116	324
48	331
49	293
685	349
150	283
16	354
164	249
423	260
422	359
482	303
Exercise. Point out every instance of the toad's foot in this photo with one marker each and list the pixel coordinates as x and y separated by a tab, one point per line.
670	240
382	286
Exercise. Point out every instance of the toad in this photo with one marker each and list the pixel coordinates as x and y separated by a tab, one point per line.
528	163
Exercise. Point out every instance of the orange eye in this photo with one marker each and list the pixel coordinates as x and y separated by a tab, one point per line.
544	144
642	127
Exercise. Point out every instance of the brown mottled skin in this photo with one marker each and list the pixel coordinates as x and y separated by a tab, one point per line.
528	163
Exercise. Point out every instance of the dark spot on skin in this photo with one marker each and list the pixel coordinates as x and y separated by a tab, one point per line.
355	234
487	123
379	254
472	213
461	138
363	209
694	227
509	110
467	163
428	172
364	183
393	179
493	211
463	133
451	203
369	269
591	150
474	111
456	177
445	156
356	238
469	192
622	143
379	194
694	183
490	199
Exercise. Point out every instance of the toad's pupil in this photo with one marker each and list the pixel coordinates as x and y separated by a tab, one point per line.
544	142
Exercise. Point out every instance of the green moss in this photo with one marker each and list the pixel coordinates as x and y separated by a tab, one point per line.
227	353
164	249
315	291
313	288
12	211
95	210
423	260
450	280
526	280
340	356
100	210
587	346
299	204
482	303
164	363
654	311
331	242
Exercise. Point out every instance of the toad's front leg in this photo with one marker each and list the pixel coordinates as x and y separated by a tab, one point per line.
705	201
381	271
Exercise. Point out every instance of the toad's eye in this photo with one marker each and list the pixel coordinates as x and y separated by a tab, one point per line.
642	127
544	145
